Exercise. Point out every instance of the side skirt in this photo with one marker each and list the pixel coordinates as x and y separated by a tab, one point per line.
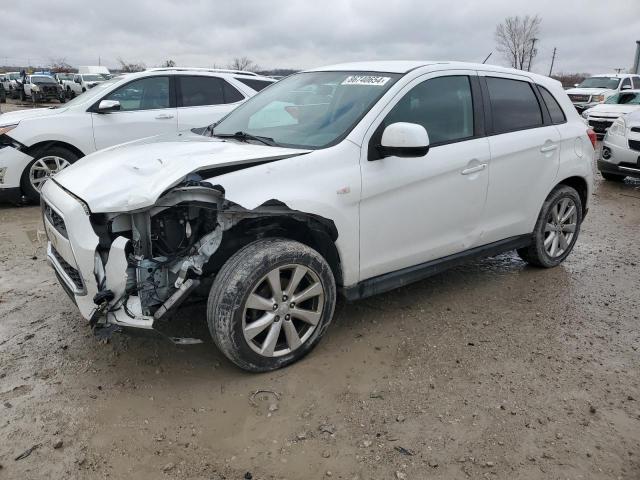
399	278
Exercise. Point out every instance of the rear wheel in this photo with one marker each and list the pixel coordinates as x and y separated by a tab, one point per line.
612	177
556	230
45	164
270	304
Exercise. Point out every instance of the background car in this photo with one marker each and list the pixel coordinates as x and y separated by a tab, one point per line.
41	88
37	143
3	94
10	82
82	82
603	115
594	90
621	149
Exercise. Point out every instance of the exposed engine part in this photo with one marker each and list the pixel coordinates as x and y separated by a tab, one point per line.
152	279
176	298
206	247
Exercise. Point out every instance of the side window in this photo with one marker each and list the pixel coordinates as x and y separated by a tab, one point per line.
626	83
196	91
257	85
514	105
443	106
557	115
231	94
636	83
144	94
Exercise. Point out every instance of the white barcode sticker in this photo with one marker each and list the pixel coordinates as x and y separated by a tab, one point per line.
365	80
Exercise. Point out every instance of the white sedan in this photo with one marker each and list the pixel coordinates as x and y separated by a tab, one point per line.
37	143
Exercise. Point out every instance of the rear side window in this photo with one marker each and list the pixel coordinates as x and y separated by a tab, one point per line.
636	83
557	115
514	105
626	83
231	94
257	85
196	91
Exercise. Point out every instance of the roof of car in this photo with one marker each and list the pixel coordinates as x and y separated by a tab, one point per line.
615	75
215	71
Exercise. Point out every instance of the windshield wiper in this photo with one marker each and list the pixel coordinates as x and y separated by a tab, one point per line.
247	136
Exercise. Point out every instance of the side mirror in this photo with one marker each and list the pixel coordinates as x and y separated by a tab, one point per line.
404	140
106	106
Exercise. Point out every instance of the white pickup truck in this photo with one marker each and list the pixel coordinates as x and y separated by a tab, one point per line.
595	90
82	82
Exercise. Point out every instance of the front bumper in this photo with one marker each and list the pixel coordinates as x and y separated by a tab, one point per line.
71	251
581	107
14	161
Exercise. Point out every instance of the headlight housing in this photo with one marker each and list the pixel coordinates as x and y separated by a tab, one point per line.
585	114
597	98
619	128
7	128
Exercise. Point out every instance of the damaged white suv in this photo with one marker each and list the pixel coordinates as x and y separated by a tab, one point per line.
355	178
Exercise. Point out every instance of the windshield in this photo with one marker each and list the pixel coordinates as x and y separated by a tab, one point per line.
93	78
610	83
92	93
308	110
42	79
624	98
14	76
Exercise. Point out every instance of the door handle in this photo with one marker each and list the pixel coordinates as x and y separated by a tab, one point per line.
474	169
164	116
549	148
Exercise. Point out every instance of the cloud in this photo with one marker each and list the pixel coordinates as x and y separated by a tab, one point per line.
591	36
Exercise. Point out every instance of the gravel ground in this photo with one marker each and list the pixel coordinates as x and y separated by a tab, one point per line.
491	370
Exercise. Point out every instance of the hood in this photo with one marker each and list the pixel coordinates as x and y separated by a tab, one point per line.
587	91
612	110
132	176
10	118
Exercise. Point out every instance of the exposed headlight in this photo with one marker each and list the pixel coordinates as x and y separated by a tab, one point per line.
7	128
585	114
3	171
597	98
619	128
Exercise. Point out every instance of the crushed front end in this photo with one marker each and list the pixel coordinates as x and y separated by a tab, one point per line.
131	268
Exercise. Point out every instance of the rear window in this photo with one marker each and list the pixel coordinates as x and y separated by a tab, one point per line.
231	93
557	115
257	85
514	105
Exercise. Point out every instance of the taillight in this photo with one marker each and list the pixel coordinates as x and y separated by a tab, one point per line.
592	137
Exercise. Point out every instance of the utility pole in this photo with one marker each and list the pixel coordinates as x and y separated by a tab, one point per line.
553	59
533	47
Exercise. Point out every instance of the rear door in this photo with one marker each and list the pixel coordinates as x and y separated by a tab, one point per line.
203	100
147	107
525	153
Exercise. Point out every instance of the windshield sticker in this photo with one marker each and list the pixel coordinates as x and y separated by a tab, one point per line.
365	80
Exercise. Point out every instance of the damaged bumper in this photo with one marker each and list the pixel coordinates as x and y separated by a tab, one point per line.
12	164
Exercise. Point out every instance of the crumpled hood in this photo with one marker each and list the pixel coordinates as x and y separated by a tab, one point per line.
10	118
587	91
133	175
612	110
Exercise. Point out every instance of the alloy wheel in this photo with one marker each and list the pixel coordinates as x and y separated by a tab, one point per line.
45	167
283	310
560	227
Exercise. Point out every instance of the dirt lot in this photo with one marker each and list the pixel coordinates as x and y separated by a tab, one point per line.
492	370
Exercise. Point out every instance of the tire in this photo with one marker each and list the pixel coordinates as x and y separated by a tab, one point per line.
244	276
28	189
541	255
612	177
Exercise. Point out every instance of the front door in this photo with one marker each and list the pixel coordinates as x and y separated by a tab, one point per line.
414	210
146	109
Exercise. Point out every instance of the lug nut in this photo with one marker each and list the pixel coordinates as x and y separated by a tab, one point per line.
275	306
277	319
292	305
287	317
284	298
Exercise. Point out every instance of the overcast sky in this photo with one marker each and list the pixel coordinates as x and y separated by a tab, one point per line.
591	36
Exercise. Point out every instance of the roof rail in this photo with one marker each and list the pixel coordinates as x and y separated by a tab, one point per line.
214	70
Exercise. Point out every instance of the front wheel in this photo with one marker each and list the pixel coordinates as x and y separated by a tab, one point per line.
270	304
44	165
556	229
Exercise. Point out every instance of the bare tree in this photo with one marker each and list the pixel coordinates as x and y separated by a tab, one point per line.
516	40
129	67
59	65
169	63
243	63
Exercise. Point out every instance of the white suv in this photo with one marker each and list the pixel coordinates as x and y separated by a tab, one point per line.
37	143
355	178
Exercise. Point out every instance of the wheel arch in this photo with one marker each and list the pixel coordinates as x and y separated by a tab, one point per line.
39	147
581	186
311	230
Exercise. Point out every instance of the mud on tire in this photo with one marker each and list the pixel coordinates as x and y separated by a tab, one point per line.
241	275
536	254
